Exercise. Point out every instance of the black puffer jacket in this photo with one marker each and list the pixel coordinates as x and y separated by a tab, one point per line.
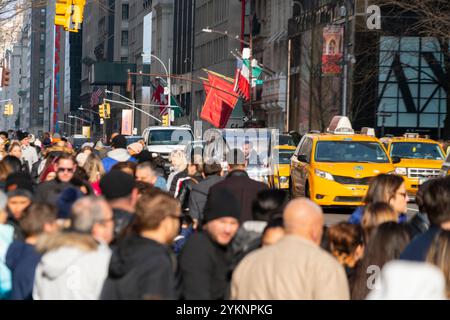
205	269
141	269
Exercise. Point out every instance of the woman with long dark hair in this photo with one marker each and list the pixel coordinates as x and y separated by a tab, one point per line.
386	244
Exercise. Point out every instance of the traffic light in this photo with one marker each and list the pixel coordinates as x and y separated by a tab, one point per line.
9	109
107	111
77	17
6	77
63	13
101	111
69	14
165	120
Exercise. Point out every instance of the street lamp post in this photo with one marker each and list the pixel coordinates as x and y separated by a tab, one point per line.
345	60
132	101
65	123
169	83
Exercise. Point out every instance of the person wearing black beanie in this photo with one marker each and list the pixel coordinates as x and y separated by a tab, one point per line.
205	261
119	189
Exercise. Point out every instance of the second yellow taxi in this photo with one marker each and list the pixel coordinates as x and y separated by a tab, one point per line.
334	168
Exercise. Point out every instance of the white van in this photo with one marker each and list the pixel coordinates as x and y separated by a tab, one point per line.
164	140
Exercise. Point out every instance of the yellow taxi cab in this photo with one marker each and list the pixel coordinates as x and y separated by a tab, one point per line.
335	168
420	159
281	166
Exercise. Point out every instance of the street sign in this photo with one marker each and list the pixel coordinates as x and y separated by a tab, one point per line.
166	91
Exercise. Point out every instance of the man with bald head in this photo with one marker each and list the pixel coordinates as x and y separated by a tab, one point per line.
295	268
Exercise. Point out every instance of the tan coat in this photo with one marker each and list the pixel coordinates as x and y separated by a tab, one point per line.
292	269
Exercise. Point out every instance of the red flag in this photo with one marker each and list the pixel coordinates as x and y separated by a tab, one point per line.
219	103
207	87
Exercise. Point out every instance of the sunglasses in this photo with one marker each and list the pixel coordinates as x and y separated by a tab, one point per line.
70	170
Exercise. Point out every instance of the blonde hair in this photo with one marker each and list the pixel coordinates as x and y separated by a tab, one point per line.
94	168
179	155
439	255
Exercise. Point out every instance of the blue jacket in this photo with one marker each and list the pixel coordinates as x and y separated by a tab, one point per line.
161	183
22	259
417	249
182	238
6	238
357	215
115	156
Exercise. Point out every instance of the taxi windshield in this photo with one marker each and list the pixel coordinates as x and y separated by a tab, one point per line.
416	150
350	151
284	156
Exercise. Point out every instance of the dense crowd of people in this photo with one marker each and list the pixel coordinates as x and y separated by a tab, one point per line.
112	223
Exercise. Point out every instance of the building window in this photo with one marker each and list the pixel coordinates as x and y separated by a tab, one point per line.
41	109
408	88
41	61
124	59
41	97
41	85
125	11
124	40
42	12
42	36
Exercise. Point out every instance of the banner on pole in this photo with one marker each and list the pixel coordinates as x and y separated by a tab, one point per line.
333	48
126	122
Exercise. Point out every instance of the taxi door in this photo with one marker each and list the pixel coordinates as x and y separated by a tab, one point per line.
300	163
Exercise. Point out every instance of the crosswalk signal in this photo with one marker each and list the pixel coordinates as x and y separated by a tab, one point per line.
165	120
63	13
6	75
9	109
101	111
107	111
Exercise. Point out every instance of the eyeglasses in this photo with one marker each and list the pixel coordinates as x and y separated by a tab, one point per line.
70	170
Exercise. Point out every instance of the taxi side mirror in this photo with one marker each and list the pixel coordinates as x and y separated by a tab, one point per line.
302	158
396	160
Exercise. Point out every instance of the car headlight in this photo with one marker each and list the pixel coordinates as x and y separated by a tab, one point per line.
401	171
324	175
284	179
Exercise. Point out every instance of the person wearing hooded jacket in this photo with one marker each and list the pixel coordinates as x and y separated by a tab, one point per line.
118	154
74	264
206	259
143	266
22	257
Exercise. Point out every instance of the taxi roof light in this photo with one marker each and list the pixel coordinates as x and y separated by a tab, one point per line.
368	131
411	135
340	125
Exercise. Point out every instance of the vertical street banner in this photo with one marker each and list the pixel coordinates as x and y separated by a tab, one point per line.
127	122
56	81
333	47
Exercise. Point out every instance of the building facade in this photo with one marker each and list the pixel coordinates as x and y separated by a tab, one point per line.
37	68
